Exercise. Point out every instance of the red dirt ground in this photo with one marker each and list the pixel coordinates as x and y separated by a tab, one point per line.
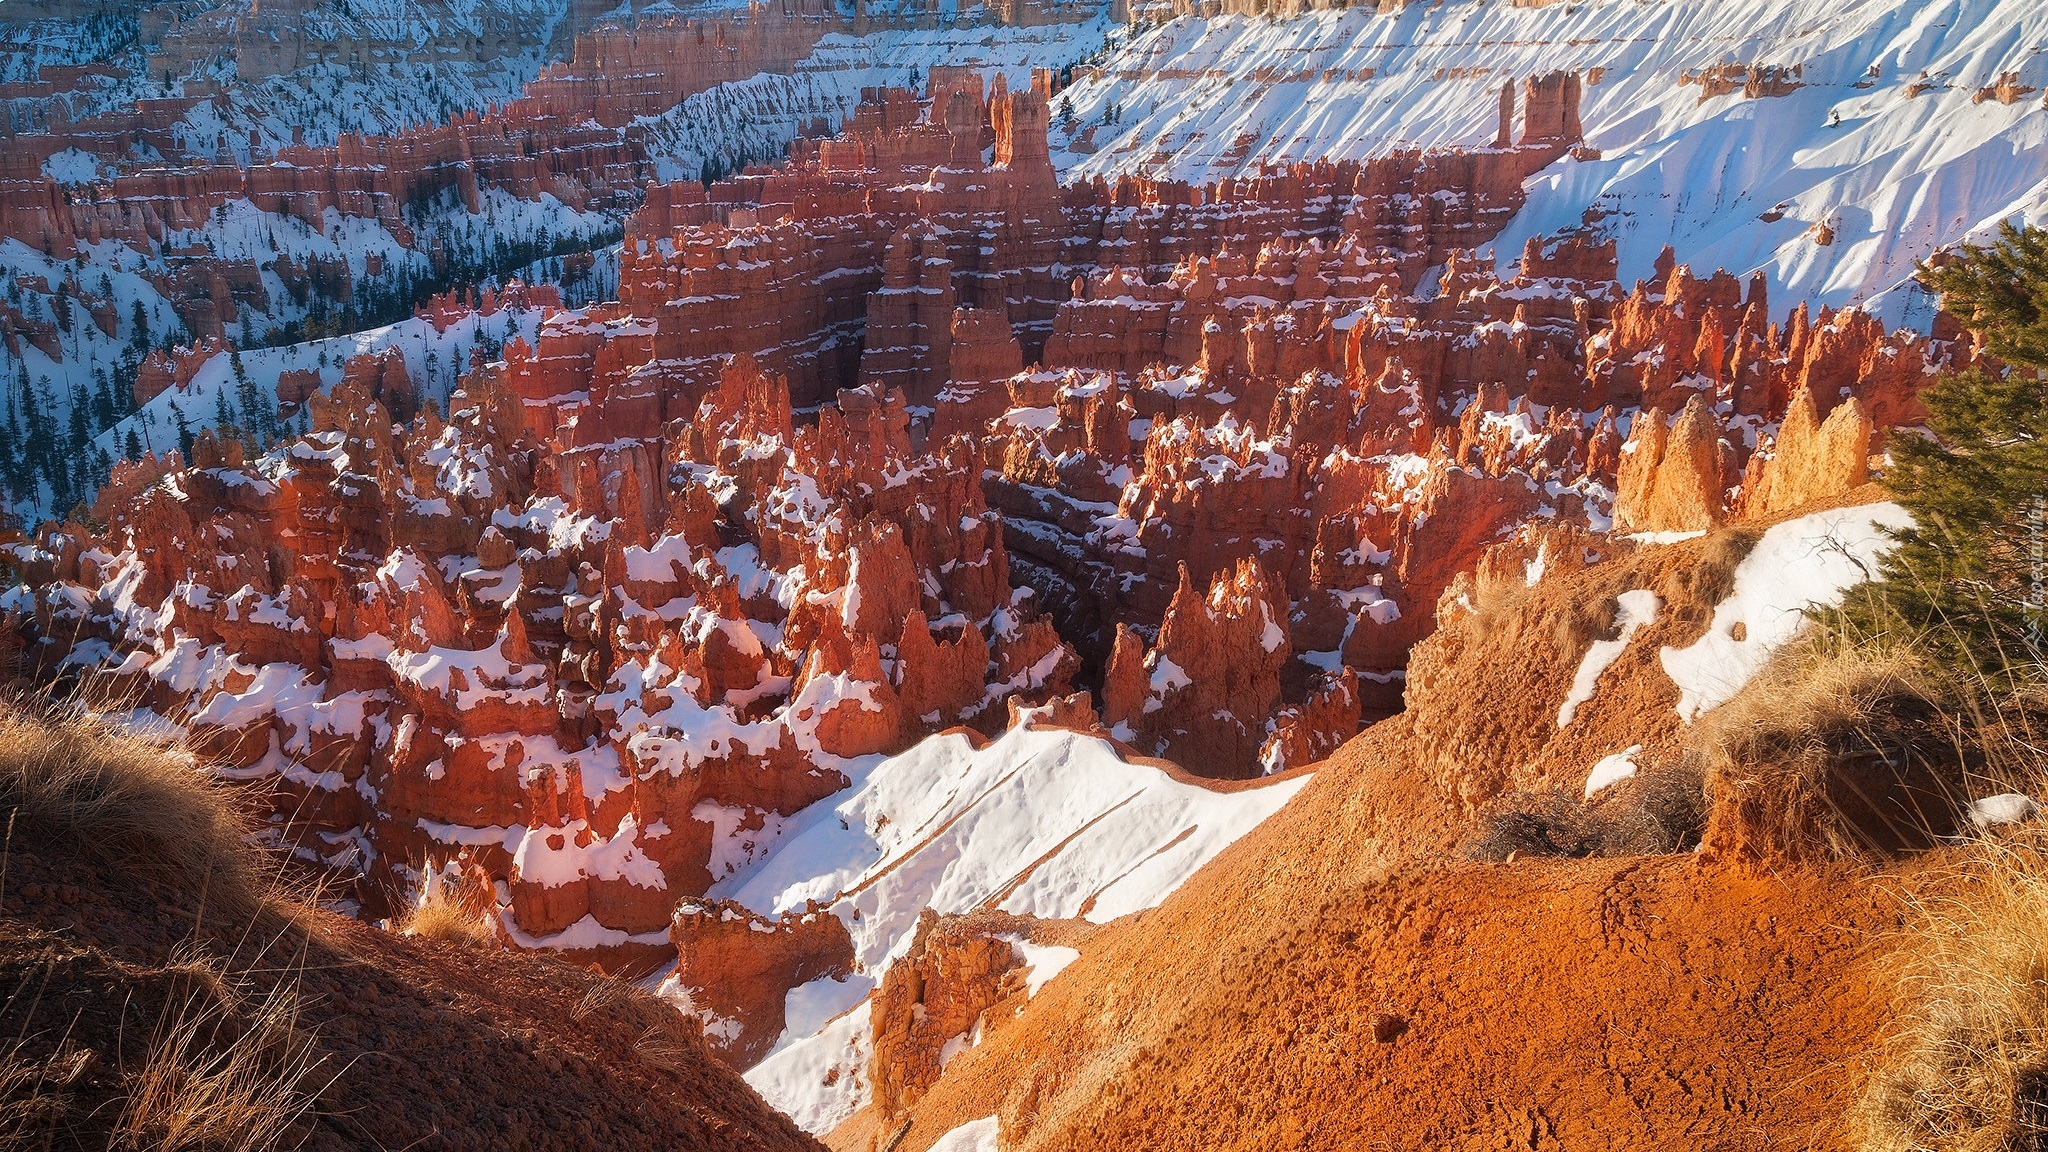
1632	1003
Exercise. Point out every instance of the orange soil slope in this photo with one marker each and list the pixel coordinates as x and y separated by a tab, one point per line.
1343	978
1648	1002
411	1043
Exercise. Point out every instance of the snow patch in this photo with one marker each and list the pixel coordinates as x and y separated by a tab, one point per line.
72	166
1612	770
973	1136
1042	962
820	1080
1808	562
2004	808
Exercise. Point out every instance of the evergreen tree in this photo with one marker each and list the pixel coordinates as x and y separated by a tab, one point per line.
10	463
223	412
80	424
255	411
1969	580
184	432
103	399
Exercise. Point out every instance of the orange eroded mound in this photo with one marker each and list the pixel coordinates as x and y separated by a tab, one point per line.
1300	993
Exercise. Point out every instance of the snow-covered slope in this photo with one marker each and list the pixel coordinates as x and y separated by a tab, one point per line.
1043	822
434	360
413	70
388	64
1891	173
755	119
133	284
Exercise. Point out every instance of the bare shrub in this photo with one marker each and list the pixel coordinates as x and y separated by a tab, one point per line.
1664	809
1547	823
1661	810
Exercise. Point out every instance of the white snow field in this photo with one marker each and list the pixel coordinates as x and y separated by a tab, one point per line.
433	361
1043	822
1894	174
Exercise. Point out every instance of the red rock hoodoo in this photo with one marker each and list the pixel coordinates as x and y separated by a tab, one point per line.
899	436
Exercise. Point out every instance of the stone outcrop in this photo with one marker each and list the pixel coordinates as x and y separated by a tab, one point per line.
933	1001
736	967
1671	477
1813	457
1216	665
1311	731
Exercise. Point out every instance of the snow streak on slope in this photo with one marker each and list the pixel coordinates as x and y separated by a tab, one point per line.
973	1136
1895	177
1042	822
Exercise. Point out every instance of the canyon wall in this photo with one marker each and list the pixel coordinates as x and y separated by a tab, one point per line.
904	436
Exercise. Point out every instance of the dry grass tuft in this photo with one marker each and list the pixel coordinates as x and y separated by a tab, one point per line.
1966	1065
1711	578
443	911
36	1095
129	803
1841	749
1493	591
1847	748
667	1038
225	1063
221	1073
